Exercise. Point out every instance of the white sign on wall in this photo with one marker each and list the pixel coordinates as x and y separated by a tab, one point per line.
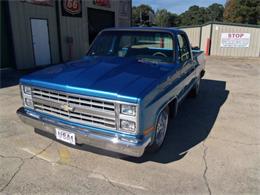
235	40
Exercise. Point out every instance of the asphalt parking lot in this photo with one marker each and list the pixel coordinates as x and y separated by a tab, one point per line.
212	146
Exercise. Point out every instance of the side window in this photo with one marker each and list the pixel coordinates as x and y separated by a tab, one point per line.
184	48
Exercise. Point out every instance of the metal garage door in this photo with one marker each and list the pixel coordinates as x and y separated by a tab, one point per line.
98	20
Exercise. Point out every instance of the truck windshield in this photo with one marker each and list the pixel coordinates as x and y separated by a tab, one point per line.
155	47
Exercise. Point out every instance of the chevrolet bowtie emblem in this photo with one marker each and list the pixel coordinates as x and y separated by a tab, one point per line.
67	107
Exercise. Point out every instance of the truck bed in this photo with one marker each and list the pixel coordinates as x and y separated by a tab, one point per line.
199	57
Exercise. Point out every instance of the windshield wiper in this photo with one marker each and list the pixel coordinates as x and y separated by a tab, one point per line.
142	60
148	60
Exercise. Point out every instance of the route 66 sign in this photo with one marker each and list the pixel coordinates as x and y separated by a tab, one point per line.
71	8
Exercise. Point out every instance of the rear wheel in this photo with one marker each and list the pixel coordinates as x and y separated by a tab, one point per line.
161	129
195	89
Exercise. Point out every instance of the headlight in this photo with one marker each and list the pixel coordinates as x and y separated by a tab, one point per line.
27	90
27	96
28	102
128	109
128	125
128	118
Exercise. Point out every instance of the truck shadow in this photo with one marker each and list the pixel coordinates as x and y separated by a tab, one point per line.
192	125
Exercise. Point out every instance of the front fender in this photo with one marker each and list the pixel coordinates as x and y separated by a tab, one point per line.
150	113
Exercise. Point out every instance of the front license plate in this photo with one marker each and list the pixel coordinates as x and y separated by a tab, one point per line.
65	136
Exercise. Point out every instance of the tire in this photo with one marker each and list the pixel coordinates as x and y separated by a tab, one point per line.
174	106
194	92
161	129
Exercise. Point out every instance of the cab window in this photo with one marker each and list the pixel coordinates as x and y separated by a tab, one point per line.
184	48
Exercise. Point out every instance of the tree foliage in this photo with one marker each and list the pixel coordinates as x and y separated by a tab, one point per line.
193	16
215	12
242	11
140	14
196	15
237	11
164	18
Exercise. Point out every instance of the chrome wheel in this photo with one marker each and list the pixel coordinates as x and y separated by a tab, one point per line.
161	127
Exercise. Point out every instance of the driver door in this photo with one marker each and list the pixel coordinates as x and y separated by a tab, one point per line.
186	61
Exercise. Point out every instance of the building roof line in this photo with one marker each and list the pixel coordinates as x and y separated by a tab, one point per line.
221	23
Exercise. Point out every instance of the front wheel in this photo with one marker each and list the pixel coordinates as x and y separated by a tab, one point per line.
161	129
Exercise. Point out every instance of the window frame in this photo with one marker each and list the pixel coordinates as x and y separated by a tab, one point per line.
172	35
184	38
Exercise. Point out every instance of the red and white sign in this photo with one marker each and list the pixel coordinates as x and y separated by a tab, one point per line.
104	3
235	40
72	6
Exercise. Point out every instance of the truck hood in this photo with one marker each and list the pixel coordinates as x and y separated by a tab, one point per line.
122	79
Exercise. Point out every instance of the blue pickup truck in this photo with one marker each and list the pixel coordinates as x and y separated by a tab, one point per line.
119	96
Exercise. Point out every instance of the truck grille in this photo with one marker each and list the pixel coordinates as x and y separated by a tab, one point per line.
75	108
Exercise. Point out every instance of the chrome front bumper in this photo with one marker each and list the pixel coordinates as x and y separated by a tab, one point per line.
84	136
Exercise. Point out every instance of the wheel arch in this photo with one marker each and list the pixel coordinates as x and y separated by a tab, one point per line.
173	108
171	104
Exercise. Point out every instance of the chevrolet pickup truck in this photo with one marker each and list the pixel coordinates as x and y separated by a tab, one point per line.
119	96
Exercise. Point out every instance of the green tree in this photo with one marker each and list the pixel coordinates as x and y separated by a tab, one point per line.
195	15
237	11
162	18
141	15
165	18
215	12
175	20
242	11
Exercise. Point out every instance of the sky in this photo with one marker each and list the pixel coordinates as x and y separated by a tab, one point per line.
176	6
